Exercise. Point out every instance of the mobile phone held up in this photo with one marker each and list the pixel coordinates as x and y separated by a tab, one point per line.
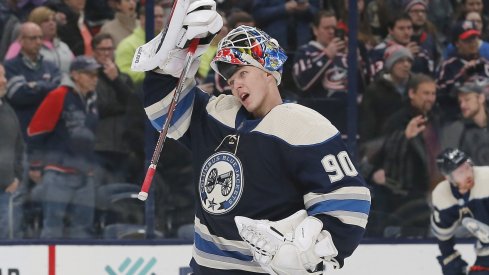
340	33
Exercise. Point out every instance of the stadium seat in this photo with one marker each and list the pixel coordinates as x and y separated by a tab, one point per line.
121	213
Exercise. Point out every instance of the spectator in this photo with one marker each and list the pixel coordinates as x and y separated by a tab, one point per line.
124	21
64	127
460	199
424	32
405	168
365	35
475	17
464	64
126	49
114	94
400	32
72	26
320	66
286	20
11	155
52	49
469	133
377	12
386	94
30	78
467	6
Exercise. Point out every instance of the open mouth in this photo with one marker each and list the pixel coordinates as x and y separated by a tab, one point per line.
244	96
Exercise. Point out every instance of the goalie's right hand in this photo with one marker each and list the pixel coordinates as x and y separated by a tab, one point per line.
167	51
453	264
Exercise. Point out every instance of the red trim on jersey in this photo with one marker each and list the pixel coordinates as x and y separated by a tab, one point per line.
48	113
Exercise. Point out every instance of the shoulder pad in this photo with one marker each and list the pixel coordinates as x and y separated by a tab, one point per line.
442	196
297	125
224	109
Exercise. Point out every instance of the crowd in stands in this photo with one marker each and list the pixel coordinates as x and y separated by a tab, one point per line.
72	142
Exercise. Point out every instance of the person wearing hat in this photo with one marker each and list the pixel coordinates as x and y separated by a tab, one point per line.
63	128
469	133
476	18
424	32
385	94
461	199
464	64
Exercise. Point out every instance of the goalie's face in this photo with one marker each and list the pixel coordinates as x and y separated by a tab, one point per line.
254	89
463	177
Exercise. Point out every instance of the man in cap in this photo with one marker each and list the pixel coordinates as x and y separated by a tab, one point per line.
64	126
462	198
469	133
464	64
251	147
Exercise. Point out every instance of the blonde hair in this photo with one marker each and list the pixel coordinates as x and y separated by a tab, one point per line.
40	15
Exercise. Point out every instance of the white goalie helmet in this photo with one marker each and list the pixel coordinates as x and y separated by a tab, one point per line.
247	45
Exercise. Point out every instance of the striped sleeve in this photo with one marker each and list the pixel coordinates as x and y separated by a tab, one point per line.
159	92
349	204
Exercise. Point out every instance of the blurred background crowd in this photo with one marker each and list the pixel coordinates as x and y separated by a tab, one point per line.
72	142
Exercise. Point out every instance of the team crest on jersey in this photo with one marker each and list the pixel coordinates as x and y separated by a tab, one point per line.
221	183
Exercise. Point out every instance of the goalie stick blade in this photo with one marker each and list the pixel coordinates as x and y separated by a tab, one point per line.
478	229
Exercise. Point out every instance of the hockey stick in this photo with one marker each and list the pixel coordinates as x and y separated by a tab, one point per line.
143	194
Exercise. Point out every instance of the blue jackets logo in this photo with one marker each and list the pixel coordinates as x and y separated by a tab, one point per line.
221	183
129	267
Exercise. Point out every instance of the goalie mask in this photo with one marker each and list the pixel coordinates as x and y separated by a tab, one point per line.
248	46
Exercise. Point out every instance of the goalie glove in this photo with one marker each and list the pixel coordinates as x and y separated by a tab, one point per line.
167	51
294	245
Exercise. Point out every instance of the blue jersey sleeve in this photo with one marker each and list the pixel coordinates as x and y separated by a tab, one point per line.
158	94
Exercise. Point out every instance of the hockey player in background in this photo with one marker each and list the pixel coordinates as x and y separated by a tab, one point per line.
277	191
462	199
